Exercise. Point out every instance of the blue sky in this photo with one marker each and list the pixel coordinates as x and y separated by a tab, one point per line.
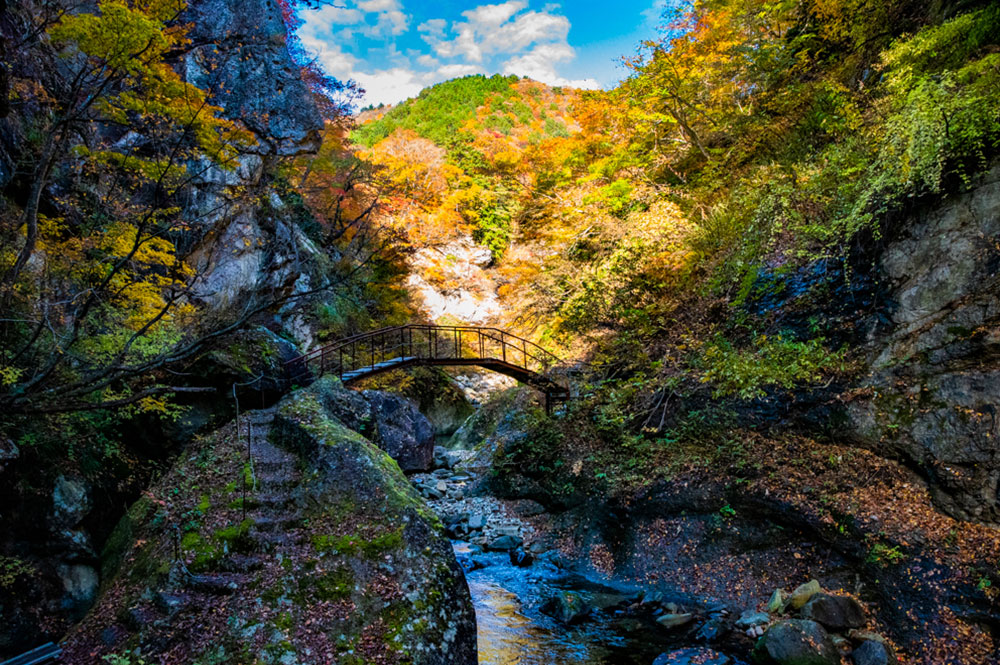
395	48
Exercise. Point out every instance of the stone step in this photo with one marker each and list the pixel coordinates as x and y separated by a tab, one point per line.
241	563
272	540
271	467
217	584
273	499
276	479
278	522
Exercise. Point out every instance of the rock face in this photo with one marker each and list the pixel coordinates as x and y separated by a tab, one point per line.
935	385
247	67
258	361
245	243
475	301
401	430
240	55
336	557
440	398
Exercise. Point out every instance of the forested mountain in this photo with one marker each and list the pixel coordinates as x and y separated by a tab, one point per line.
767	259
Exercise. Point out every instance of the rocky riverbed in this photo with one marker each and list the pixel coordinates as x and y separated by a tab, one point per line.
533	607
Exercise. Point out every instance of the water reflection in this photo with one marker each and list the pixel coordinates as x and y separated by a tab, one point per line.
512	630
507	637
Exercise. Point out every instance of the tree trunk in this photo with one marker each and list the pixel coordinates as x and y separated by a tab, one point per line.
29	219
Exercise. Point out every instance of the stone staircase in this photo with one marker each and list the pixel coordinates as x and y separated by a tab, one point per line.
271	508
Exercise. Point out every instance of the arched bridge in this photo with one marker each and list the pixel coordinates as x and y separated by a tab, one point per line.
372	353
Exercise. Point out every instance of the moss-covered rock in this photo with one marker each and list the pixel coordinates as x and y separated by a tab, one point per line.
390	421
333	558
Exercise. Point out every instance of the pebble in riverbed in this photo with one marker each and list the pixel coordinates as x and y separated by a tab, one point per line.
481	520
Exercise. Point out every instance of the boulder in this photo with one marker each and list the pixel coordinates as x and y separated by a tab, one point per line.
834	612
796	642
401	430
348	406
712	630
520	558
674	620
504	544
567	607
802	594
871	653
751	618
80	584
70	502
776	601
692	656
390	421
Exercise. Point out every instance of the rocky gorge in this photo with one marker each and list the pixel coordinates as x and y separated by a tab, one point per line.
765	266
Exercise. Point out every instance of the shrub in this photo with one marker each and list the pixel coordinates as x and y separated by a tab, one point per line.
772	361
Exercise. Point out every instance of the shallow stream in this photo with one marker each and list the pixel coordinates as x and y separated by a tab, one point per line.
513	630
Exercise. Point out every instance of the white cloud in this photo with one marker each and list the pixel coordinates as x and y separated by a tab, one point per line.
372	18
434	27
495	29
428	60
390	86
506	36
330	15
455	71
540	64
487	15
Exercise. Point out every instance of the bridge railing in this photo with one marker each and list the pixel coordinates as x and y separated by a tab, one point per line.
424	342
